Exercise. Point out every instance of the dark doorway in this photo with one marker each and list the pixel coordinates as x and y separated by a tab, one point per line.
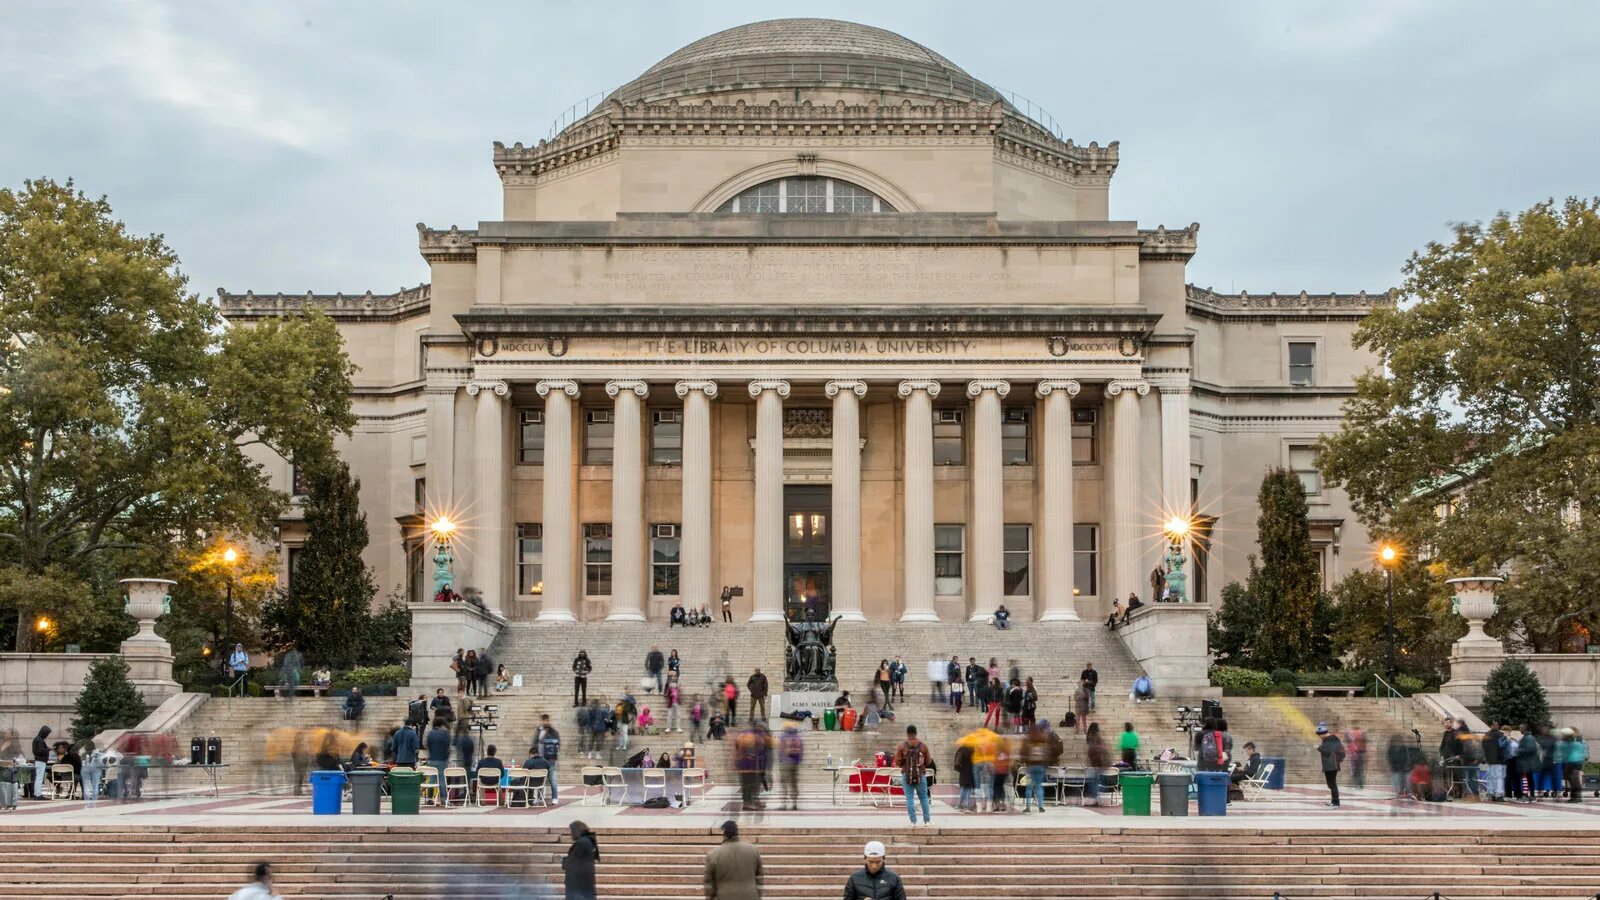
807	552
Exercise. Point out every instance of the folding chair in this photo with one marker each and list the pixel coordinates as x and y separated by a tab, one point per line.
1074	779
593	776
882	782
693	780
848	774
487	782
62	784
1111	785
612	783
1256	788
430	785
518	786
456	787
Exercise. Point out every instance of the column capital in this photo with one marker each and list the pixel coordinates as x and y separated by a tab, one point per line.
1114	388
907	388
1064	385
570	388
974	388
833	388
709	388
1172	388
757	388
500	388
613	388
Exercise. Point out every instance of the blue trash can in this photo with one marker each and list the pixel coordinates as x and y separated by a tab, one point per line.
327	792
1275	780
1212	788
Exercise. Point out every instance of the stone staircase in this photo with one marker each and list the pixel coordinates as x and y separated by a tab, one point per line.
377	860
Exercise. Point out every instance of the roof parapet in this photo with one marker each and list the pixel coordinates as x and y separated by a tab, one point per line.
250	306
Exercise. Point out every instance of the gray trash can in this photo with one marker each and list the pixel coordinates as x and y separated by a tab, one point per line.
1174	793
366	792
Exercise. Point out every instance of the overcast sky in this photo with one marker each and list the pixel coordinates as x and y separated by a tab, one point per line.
292	146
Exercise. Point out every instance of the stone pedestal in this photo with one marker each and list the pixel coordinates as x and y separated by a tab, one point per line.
1169	641
148	655
1477	654
438	630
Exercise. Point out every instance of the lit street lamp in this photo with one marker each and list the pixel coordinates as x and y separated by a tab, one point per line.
443	529
229	557
1177	528
1388	556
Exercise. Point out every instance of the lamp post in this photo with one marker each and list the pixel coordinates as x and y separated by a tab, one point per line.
443	556
229	557
1177	528
1388	556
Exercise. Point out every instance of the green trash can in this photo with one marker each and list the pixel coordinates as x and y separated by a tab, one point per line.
405	793
366	792
1136	793
830	719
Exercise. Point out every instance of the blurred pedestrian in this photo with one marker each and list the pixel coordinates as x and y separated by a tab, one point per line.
874	880
1094	749
790	754
733	868
1355	745
1333	754
1577	753
579	863
1495	750
1128	744
260	888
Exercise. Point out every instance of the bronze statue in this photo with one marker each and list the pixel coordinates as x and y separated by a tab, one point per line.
809	655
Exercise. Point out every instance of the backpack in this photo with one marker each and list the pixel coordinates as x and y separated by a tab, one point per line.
551	745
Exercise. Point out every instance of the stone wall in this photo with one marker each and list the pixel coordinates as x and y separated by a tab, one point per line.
41	689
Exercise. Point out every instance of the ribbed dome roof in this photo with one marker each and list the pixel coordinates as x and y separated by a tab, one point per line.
799	38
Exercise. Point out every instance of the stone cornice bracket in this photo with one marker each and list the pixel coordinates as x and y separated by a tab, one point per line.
570	388
832	388
709	388
613	388
1173	387
974	388
1245	303
757	387
907	388
1114	388
451	244
1178	244
368	307
1046	388
500	388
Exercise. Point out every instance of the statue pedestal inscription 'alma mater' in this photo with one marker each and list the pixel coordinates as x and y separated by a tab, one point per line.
811	663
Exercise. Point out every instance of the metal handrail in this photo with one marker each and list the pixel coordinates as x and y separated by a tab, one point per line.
238	683
1393	692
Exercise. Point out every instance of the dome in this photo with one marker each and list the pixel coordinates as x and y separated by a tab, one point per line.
804	53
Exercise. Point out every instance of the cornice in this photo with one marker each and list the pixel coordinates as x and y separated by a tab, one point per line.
446	245
1208	304
1178	244
249	306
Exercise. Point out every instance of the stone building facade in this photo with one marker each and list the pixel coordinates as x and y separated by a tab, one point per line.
808	310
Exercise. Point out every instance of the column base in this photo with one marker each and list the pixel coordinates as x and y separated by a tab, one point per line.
626	616
765	615
852	615
919	615
555	615
1060	615
981	616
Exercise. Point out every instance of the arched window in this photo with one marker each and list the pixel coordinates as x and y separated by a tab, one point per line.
806	195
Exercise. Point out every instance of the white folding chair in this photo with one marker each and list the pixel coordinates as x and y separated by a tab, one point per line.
593	777
654	779
539	786
1074	779
486	781
456	789
693	780
62	784
613	784
882	781
518	788
429	792
1256	788
847	774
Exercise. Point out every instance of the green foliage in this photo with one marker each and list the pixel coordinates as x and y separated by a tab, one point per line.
386	640
1513	695
126	410
367	676
1335	678
1232	631
1423	628
1278	618
1235	679
1411	684
1282	689
108	700
1490	389
1279	676
76	612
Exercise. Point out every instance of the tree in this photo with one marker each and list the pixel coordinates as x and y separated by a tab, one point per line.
1232	631
1424	630
326	611
108	700
128	413
1513	695
1490	394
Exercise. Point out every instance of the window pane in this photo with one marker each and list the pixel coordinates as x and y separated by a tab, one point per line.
666	437
947	537
597	438
664	560
1302	363
1014	438
1016	560
807	195
530	443
1086	559
1084	426
847	198
530	559
947	437
597	560
1302	457
1016	537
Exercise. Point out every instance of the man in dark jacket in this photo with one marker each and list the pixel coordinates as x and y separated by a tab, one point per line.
1332	752
581	667
1494	759
417	713
654	662
406	744
579	863
874	880
976	675
733	868
41	761
439	748
482	673
757	686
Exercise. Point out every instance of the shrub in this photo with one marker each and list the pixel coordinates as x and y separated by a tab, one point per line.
1279	676
108	700
1411	684
1239	681
1514	695
1283	689
369	676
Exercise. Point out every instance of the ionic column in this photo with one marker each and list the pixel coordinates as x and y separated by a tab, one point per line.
489	472
767	573
627	502
988	499
560	531
1054	548
1125	509
1175	492
847	497
694	574
917	479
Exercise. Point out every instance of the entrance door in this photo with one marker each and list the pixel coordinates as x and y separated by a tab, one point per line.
807	552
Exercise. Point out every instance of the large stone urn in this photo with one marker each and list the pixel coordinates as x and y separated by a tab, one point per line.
1477	654
148	655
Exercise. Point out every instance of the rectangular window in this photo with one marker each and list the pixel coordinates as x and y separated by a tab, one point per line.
598	437
1303	462
947	550
530	436
666	437
597	560
1086	560
530	558
947	437
1302	362
1085	431
299	481
1014	428
1018	542
291	563
419	494
665	545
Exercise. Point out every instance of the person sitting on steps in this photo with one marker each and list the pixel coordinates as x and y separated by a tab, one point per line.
1002	618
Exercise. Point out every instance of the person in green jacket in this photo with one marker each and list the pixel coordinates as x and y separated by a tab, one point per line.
1128	743
1575	754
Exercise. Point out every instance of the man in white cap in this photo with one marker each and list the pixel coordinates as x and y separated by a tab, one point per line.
874	881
